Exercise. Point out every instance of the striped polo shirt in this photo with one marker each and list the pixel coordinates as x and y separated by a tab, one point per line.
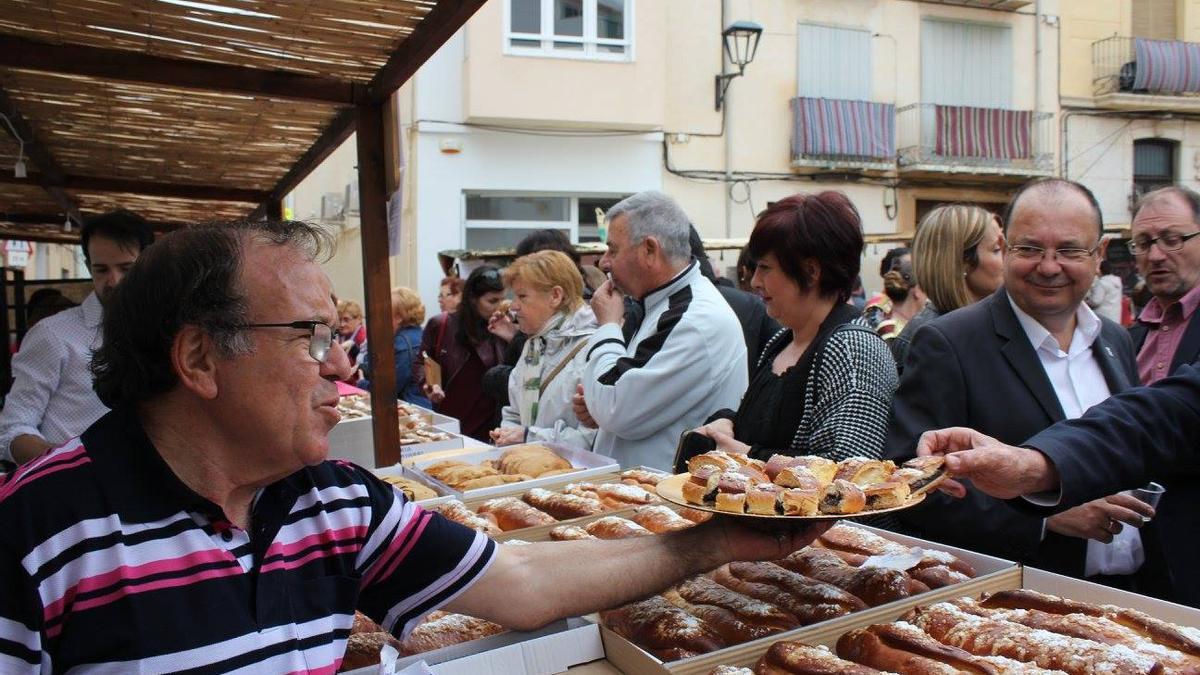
110	564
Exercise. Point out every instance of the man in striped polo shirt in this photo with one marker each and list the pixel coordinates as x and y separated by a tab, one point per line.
197	526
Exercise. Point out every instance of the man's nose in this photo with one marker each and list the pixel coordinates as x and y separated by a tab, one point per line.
337	362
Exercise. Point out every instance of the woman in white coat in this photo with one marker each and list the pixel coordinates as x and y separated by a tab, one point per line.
547	291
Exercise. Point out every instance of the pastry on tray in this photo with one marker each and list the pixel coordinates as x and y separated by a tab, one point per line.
806	486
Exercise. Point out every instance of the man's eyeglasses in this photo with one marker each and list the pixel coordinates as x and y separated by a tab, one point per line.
1166	242
1070	255
320	335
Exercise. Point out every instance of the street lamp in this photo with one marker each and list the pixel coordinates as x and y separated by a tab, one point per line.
741	43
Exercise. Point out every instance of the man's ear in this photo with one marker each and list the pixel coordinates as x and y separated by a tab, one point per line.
651	246
194	358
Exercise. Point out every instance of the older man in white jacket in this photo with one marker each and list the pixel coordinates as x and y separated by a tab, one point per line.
686	360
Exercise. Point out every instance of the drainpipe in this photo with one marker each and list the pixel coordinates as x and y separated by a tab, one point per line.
727	125
1037	57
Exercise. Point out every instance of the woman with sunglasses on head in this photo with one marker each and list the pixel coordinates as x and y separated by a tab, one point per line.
464	349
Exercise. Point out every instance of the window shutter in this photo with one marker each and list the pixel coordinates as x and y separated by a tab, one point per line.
834	62
966	64
1154	19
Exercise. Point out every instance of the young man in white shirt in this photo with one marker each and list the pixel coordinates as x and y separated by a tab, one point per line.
51	399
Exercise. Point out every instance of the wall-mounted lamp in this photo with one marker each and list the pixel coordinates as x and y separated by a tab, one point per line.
741	43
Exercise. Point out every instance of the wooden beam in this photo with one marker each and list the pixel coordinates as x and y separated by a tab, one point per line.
335	134
141	187
56	220
273	209
372	195
38	155
438	26
130	66
47	237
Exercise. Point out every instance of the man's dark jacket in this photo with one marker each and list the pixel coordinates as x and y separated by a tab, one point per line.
975	367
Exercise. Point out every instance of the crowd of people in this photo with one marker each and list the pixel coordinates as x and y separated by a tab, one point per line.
984	323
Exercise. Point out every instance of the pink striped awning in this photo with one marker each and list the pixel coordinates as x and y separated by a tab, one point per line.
990	133
1167	66
840	128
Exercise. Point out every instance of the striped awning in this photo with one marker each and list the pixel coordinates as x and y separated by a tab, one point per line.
991	133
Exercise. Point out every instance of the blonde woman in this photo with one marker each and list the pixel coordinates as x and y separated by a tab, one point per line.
547	291
958	260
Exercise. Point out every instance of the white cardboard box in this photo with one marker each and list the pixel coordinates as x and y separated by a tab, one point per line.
352	440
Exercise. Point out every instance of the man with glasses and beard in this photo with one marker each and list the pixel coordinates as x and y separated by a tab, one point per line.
197	525
1015	363
1166	336
51	398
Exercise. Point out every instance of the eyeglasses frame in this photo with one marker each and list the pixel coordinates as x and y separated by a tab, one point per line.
1183	239
1057	253
319	354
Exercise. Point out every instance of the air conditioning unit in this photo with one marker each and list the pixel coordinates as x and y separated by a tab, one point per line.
333	206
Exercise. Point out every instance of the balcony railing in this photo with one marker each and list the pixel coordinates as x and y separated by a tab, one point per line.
843	134
982	140
1144	66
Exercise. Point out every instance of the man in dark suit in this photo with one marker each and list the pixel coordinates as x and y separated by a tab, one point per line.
1013	364
1167	335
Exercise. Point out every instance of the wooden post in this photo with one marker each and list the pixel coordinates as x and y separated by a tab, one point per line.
372	194
274	209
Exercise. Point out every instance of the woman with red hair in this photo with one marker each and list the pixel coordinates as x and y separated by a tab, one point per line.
824	383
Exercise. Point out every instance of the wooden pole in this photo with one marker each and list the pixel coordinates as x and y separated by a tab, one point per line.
372	194
273	209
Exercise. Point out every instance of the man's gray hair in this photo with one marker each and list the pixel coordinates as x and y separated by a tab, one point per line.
654	214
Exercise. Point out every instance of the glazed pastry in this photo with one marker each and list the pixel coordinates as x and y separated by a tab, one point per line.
763	499
662	629
660	519
362	649
731	502
491	481
569	533
796	657
930	472
800	502
612	527
904	648
441	629
983	636
886	495
459	513
562	506
413	491
735	617
842	497
807	599
513	514
641	477
873	585
863	471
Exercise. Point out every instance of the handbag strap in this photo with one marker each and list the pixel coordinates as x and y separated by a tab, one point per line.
558	369
437	345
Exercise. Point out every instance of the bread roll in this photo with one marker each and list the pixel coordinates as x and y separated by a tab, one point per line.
513	514
731	502
622	496
562	506
442	630
807	599
795	657
695	515
763	499
798	477
821	467
873	585
887	495
531	459
923	473
662	629
853	539
612	527
641	477
800	502
659	519
717	459
492	481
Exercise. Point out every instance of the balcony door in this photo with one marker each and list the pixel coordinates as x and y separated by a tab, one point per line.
1154	19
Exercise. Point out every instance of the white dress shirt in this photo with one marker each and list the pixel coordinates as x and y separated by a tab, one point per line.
1079	384
52	395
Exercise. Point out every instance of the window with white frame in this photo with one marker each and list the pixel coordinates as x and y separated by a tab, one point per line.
498	220
586	29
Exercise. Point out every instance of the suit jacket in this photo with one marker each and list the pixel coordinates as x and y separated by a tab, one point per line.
975	367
